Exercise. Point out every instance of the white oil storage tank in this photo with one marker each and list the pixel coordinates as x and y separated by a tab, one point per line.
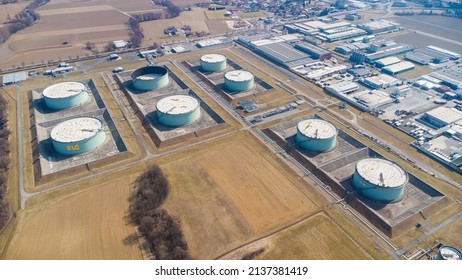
380	179
150	78
178	110
239	80
448	253
77	136
213	62
65	95
316	135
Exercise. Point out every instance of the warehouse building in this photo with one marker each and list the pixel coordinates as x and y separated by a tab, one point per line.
442	116
371	99
283	54
381	81
379	26
389	50
450	77
387	61
342	88
314	51
398	68
451	55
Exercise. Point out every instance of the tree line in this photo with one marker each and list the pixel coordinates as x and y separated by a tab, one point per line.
4	162
22	20
161	231
172	10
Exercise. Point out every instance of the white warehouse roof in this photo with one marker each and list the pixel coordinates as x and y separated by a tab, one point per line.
388	61
445	115
399	67
342	87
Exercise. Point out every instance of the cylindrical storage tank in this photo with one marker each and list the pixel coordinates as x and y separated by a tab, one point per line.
178	110
448	253
77	136
213	62
379	179
239	80
316	135
65	95
150	78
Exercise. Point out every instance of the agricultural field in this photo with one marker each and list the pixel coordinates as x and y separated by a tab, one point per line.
63	32
10	10
231	194
154	30
88	225
317	238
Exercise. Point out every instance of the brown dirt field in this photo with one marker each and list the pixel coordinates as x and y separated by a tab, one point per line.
11	10
317	238
243	175
154	30
450	235
77	20
88	225
186	2
217	26
231	193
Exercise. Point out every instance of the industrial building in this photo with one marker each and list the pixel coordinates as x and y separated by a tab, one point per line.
419	57
379	179
398	68
451	55
239	80
77	136
390	49
387	61
442	116
451	77
326	31
213	62
314	51
283	54
150	78
14	78
316	135
65	95
342	88
178	110
379	26
381	81
371	99
448	253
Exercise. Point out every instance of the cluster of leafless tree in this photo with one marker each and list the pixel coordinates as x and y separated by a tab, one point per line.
21	20
4	162
161	231
172	10
136	32
147	16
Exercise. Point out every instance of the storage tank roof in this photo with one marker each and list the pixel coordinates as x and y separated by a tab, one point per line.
381	172
449	253
76	129
63	90
239	76
148	77
317	128
177	104
213	58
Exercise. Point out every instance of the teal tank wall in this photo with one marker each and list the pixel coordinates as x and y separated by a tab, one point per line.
80	147
159	78
66	102
315	145
179	119
385	194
